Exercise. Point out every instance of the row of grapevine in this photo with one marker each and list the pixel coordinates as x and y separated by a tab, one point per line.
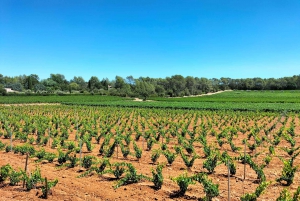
114	141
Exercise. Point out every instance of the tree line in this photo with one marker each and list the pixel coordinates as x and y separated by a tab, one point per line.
173	86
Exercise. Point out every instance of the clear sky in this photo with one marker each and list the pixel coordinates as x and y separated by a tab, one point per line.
105	38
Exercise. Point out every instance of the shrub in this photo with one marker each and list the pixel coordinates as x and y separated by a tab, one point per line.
15	177
87	161
125	150
170	156
157	176
211	163
183	181
32	180
130	177
117	169
5	172
211	190
288	173
138	151
258	191
155	155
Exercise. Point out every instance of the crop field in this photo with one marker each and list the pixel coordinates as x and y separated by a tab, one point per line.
134	153
275	101
292	96
57	99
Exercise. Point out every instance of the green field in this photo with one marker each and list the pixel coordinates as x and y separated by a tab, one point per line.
242	96
229	100
57	99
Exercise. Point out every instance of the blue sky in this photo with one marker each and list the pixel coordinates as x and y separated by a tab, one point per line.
105	38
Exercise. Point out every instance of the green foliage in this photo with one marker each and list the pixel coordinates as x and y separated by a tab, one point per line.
50	157
188	146
233	147
211	190
258	169
170	156
41	153
226	159
258	191
267	160
138	151
130	177
87	161
23	149
207	150
8	148
46	189
211	162
290	151
271	150
73	161
98	169
71	145
125	150
188	162
62	156
288	172
15	177
32	179
150	143
111	149
285	195
155	155
289	139
183	181
2	145
117	169
157	176
5	172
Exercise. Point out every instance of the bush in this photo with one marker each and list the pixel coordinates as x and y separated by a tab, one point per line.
87	161
183	181
158	176
5	172
15	177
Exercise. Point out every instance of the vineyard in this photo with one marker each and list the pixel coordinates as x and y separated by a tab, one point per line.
271	101
292	96
118	153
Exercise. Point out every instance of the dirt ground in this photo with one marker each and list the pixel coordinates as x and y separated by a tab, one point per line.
95	187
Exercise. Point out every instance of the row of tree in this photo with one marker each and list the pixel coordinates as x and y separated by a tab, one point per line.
173	86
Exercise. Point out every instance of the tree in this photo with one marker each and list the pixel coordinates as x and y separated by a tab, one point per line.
122	87
176	85
31	81
50	84
120	82
130	80
61	81
105	83
73	86
80	82
94	83
204	85
144	89
259	83
15	86
190	84
160	91
39	87
224	84
3	91
2	79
